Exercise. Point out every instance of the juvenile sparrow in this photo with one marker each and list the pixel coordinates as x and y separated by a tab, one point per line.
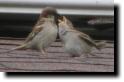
67	21
75	42
43	33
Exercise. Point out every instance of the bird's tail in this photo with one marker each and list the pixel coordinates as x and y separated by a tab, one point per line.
101	45
16	48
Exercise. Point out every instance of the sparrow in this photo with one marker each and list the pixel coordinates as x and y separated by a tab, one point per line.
46	13
76	43
43	33
67	21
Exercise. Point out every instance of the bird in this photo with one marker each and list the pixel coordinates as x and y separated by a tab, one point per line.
76	43
46	13
43	33
67	21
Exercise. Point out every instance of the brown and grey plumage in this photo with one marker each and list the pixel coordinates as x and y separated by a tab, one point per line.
75	42
70	25
43	33
48	11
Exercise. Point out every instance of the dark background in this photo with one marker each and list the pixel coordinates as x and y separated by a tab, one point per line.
19	25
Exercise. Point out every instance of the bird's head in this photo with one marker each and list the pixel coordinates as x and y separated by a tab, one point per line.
47	11
50	12
63	22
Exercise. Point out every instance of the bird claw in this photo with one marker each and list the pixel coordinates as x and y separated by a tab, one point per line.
93	55
43	52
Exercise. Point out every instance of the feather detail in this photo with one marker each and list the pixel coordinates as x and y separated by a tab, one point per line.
101	44
16	48
68	22
35	31
85	37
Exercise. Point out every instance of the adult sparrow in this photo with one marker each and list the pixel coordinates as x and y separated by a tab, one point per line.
43	33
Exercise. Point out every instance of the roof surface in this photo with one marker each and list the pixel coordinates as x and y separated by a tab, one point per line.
55	60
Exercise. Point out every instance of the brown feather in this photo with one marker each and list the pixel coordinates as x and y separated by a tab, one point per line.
85	37
37	28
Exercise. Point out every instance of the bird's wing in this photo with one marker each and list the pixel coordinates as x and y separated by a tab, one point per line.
37	28
33	33
86	38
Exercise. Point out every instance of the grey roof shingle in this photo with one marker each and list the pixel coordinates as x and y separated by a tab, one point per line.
55	60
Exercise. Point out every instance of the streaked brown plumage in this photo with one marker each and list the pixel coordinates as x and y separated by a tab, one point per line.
75	42
43	33
48	11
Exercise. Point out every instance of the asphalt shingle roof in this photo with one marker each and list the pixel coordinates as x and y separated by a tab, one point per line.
55	60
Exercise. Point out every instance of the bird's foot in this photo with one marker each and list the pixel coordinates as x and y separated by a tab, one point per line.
81	58
44	53
94	55
91	54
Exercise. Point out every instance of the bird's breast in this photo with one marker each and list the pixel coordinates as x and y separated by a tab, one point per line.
74	43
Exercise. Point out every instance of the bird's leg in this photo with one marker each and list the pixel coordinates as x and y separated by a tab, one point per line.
43	51
81	58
